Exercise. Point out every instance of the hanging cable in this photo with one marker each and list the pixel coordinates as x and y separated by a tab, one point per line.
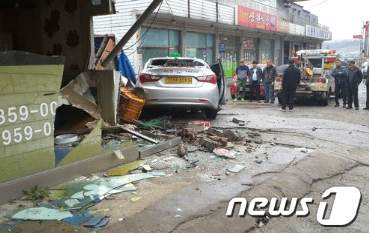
142	37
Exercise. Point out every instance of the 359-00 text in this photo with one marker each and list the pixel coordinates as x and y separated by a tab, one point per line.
22	114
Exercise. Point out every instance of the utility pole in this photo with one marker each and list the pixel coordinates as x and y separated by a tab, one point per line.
131	31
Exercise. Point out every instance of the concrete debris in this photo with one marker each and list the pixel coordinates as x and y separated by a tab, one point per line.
188	134
237	121
221	140
221	152
231	135
182	150
199	126
236	168
215	132
209	144
42	213
230	145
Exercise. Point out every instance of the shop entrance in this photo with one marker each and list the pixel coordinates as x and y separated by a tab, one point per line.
286	51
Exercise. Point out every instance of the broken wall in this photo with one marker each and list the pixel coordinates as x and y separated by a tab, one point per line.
28	100
53	27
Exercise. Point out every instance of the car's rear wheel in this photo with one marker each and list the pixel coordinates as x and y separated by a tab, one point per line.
211	113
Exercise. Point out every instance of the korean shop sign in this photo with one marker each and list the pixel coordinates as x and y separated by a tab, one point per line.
257	20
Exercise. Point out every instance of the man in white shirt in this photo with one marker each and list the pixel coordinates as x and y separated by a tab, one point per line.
256	75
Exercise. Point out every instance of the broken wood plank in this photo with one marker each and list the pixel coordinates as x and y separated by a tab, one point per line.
139	135
143	153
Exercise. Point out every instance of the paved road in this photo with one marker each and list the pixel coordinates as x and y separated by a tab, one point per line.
298	154
335	153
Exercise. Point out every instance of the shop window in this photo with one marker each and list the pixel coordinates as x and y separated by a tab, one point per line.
229	53
159	43
200	45
249	48
266	51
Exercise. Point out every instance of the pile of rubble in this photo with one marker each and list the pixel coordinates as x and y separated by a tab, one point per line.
219	142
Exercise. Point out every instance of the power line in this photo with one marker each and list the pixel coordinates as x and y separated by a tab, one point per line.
142	37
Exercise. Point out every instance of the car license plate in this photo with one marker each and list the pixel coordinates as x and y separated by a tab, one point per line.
178	80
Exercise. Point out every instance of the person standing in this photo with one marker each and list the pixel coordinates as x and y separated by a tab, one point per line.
256	78
269	74
291	79
366	78
243	74
340	75
354	80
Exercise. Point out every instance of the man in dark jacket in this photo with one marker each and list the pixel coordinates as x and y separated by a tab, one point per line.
256	78
340	75
354	80
366	78
291	79
243	75
269	74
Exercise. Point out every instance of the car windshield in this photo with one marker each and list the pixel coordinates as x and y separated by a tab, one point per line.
316	62
176	63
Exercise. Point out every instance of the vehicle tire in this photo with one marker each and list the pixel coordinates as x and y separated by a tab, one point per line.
233	97
211	113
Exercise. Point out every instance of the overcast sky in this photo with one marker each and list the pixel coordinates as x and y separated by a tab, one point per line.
344	17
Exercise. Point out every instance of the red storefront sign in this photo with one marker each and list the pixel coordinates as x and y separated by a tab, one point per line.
255	19
283	25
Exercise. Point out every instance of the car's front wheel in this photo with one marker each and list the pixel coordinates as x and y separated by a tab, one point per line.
211	113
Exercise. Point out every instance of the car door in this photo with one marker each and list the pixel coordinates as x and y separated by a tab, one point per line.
218	69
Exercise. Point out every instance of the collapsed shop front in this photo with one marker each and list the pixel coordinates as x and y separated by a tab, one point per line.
58	111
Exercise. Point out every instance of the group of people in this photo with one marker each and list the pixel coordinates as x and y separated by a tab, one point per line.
347	81
267	76
256	76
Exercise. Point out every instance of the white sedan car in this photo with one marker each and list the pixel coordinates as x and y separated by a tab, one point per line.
188	83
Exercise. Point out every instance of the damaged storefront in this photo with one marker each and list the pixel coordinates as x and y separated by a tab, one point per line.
61	110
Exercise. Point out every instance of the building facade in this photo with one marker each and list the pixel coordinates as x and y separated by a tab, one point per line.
228	30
